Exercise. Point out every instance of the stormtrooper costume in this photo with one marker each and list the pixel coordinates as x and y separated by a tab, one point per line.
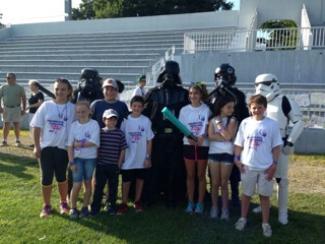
285	111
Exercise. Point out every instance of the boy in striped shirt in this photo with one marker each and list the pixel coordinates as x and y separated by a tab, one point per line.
111	154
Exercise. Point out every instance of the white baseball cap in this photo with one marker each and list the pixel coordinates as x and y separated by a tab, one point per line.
110	82
109	113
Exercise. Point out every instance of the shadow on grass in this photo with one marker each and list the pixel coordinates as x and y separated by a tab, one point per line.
160	225
16	165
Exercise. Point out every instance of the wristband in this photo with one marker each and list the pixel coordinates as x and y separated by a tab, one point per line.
275	162
237	157
71	162
147	157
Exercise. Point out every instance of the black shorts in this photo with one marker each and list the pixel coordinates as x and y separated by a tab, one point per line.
133	174
222	157
195	153
54	161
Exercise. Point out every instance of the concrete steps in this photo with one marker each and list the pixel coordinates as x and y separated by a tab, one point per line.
102	56
72	68
81	62
86	50
74	75
124	56
105	35
85	43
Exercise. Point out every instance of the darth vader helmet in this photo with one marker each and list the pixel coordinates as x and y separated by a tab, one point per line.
169	77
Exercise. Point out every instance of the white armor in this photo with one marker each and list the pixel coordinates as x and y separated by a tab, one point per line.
285	111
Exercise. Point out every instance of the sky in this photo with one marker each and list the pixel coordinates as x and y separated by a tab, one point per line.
31	11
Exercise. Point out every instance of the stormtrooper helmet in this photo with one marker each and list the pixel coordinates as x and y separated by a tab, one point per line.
267	85
224	75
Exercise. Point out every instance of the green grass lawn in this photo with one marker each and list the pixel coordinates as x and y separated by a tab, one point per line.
20	205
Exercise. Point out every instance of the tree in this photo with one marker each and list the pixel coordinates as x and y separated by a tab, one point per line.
223	5
85	10
1	25
108	8
127	8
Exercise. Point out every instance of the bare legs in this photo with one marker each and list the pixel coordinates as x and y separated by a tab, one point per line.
126	190
75	192
220	173
190	178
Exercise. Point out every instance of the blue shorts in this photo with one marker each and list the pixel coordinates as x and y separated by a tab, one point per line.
84	169
221	158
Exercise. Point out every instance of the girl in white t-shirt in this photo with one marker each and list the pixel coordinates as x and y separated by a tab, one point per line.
195	117
222	130
51	125
82	150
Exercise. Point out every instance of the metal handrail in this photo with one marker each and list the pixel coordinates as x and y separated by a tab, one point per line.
304	38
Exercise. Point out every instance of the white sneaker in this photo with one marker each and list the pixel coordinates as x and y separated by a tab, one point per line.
267	230
214	213
224	214
240	224
283	218
257	210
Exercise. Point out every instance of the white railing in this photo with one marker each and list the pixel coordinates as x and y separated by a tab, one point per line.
318	37
208	40
280	38
258	39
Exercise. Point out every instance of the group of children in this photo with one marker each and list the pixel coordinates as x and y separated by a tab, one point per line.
125	150
112	150
254	148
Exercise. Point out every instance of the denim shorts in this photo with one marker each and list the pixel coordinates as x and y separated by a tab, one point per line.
221	158
84	169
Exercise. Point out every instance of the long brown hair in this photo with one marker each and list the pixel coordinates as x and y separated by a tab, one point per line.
68	84
221	102
202	88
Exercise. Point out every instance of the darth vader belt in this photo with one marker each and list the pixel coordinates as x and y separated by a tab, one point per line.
168	130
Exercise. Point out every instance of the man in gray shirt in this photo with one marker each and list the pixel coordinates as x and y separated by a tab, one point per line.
12	106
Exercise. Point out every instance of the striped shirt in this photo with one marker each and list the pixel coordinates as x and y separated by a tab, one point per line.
112	142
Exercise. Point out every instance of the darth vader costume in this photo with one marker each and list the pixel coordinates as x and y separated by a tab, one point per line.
225	80
167	175
90	86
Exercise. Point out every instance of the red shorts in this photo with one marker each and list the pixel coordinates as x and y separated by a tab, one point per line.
195	153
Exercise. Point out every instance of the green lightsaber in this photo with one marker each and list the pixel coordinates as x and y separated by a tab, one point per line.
168	115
